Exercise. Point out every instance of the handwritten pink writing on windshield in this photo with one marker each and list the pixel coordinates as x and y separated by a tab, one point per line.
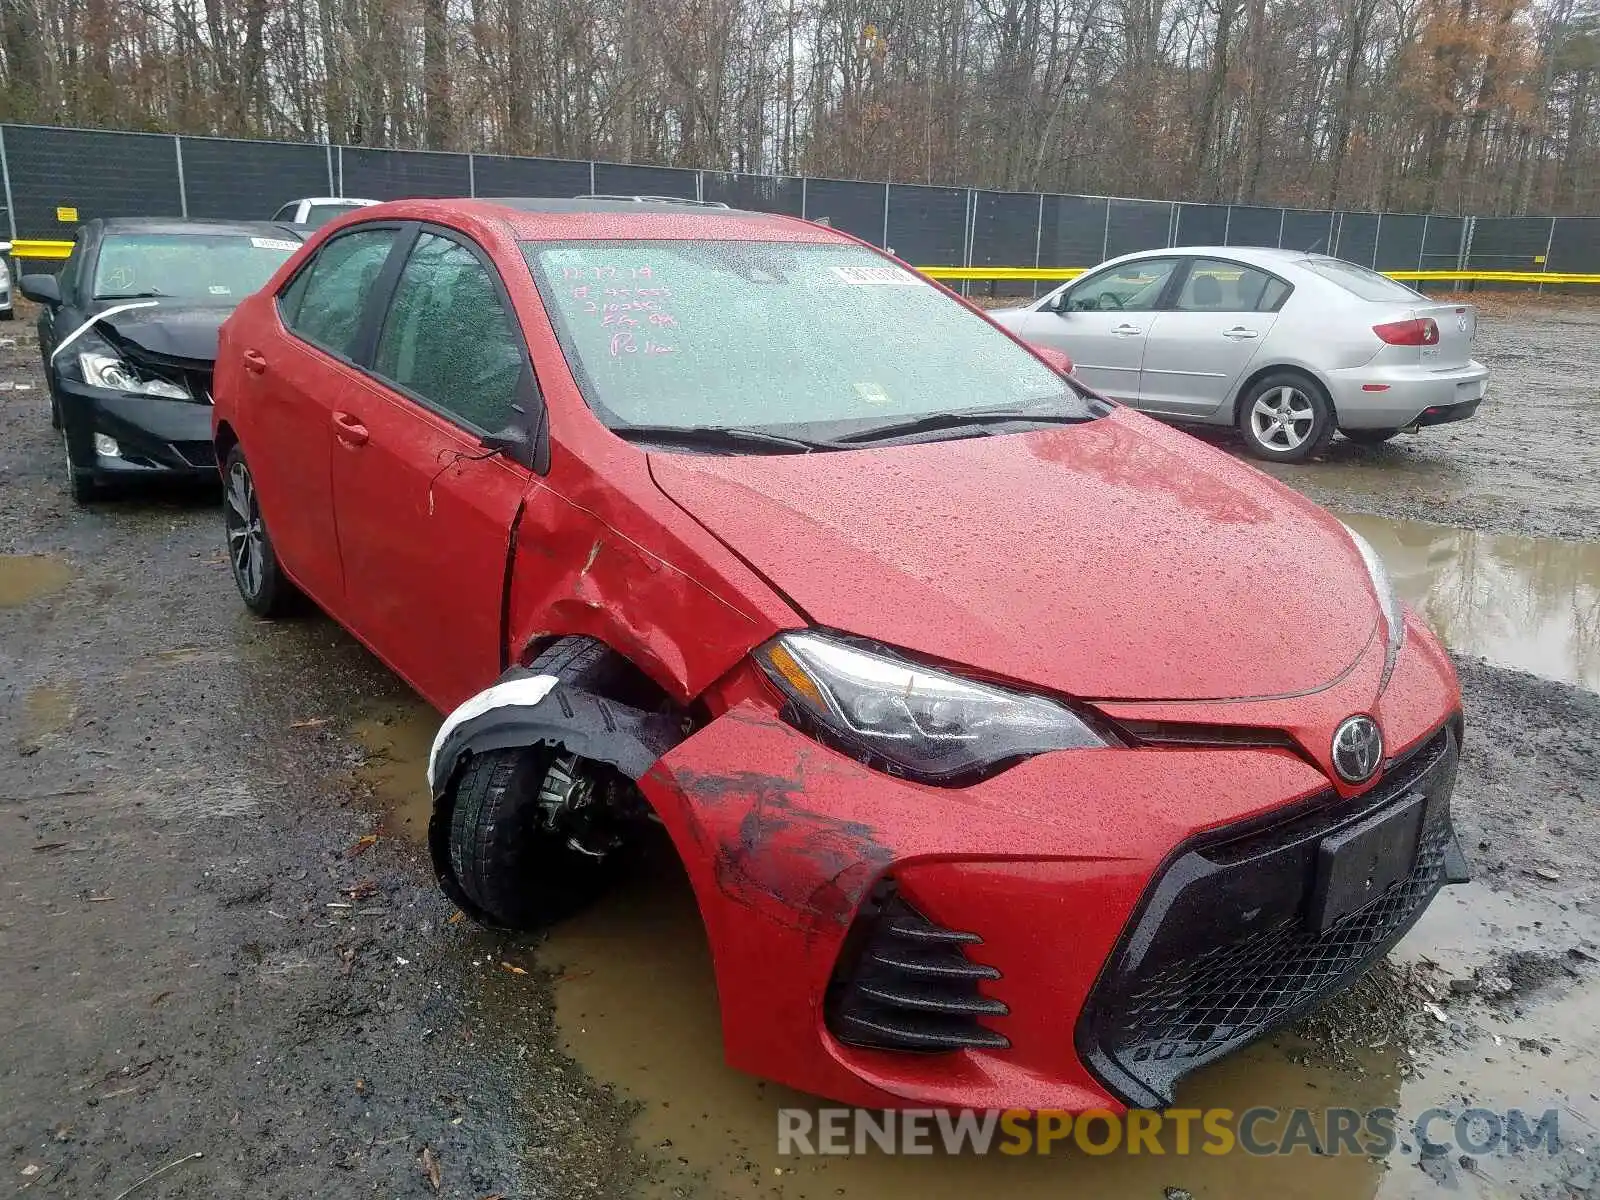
628	343
626	300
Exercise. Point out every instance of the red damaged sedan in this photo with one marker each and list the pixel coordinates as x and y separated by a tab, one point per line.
1020	750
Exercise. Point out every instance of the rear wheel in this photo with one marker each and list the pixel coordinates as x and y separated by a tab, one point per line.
263	586
529	830
1369	437
1286	417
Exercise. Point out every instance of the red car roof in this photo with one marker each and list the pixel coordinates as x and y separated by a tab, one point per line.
543	219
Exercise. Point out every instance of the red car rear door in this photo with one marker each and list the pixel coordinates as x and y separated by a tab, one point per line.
295	372
424	511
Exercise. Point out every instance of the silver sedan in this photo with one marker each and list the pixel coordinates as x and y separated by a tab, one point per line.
1288	346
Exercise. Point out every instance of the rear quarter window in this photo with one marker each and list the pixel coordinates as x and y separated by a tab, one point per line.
1360	282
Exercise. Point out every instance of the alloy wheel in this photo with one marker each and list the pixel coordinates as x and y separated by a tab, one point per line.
1282	418
242	520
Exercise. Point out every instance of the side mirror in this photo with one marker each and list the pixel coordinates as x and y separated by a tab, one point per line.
513	442
1057	360
41	289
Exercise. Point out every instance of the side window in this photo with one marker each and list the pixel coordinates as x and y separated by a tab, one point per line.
448	339
323	303
286	213
1215	285
1132	287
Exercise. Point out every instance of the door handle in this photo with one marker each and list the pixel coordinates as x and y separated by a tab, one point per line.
255	362
349	429
1126	330
1239	333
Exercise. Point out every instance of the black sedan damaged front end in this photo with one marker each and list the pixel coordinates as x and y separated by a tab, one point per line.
127	411
128	332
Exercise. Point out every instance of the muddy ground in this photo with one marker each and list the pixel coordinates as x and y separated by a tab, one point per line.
219	937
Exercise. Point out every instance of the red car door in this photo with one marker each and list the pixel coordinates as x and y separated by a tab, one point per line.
293	372
424	512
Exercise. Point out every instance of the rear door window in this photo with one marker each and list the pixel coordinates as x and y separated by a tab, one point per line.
1217	285
324	302
448	339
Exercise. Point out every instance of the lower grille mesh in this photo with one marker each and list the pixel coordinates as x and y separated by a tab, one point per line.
1196	1009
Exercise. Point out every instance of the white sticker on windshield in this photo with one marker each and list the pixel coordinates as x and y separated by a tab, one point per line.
216	289
877	276
274	244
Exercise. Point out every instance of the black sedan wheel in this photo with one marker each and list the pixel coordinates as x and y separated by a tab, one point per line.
265	589
80	484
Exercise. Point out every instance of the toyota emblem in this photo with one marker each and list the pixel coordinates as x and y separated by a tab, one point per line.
1357	748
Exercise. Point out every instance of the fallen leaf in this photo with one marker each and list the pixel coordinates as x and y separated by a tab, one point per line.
362	890
362	845
455	916
310	723
571	975
430	1168
515	970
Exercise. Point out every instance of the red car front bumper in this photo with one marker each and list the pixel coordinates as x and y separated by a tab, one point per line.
1054	867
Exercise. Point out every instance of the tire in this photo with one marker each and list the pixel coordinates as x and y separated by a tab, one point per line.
515	873
1369	437
264	588
1311	424
80	484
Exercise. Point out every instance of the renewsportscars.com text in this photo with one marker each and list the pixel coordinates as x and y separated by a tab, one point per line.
1374	1132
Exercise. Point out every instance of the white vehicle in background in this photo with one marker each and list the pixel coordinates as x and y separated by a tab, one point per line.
316	211
8	308
1288	346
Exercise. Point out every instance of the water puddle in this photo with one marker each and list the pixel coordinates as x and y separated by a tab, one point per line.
47	711
26	577
1523	602
397	739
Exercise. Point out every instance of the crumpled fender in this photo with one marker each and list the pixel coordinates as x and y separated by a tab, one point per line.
525	709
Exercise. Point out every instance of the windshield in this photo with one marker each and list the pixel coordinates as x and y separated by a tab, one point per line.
318	215
812	341
1358	281
222	267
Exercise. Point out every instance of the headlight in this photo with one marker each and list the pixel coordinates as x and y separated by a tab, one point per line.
908	719
109	371
1388	601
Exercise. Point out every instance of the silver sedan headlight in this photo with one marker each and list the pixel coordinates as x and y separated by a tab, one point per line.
908	719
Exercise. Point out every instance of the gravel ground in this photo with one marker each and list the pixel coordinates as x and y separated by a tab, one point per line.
212	947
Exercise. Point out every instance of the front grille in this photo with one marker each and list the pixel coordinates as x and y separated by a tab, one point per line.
197	454
904	983
199	385
1223	950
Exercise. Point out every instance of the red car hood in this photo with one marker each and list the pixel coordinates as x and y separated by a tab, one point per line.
1117	559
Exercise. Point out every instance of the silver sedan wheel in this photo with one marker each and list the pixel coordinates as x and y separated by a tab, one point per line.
242	519
1282	419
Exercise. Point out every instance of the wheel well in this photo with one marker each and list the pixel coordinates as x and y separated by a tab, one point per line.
633	687
226	440
1261	373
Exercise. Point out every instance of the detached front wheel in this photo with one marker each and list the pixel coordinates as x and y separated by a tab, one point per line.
532	832
1286	417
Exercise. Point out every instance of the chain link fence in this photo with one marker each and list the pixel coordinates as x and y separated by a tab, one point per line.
57	178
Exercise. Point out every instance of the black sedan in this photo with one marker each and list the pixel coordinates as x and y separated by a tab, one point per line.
128	331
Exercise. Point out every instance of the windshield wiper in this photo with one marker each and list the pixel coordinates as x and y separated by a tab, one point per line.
151	294
715	436
930	422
